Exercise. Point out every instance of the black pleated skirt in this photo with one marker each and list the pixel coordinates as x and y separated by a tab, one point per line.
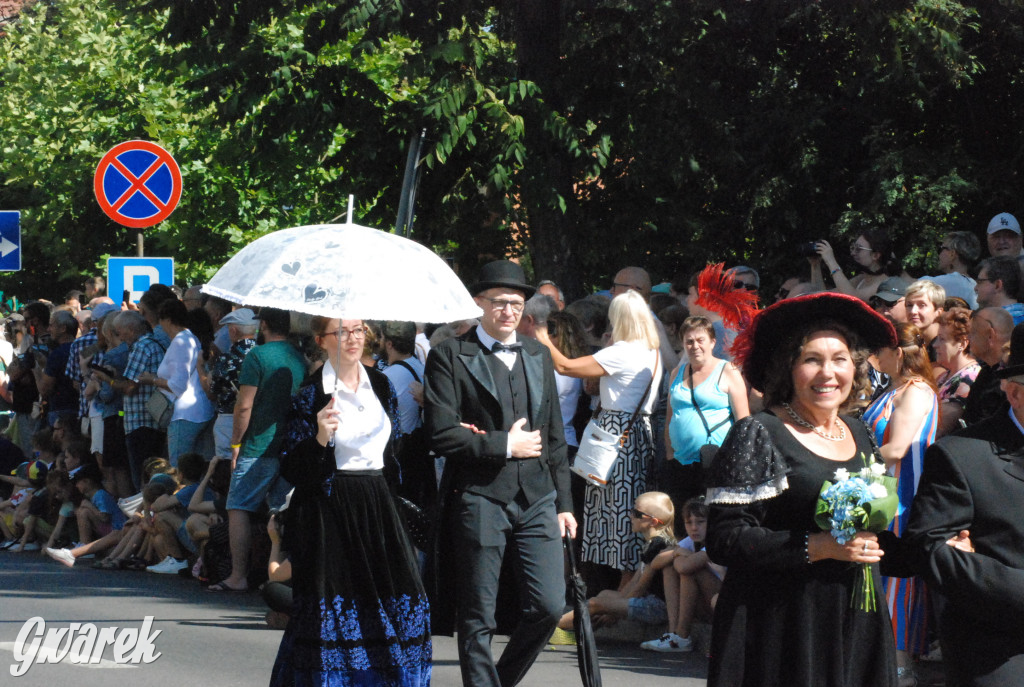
360	614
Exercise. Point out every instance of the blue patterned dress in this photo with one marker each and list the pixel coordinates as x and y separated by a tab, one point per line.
906	596
360	615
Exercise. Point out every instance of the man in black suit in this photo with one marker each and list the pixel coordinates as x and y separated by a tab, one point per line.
492	410
974	481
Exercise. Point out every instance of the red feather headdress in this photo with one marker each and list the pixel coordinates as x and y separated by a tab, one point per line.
715	292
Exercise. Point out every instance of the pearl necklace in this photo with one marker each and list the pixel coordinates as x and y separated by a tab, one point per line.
821	433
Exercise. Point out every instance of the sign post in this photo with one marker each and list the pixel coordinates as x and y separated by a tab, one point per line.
137	184
10	241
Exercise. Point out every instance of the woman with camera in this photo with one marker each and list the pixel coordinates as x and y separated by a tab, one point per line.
874	261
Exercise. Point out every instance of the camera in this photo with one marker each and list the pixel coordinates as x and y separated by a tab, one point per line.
278	515
808	250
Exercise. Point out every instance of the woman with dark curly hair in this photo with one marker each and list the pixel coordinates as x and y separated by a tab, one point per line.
783	615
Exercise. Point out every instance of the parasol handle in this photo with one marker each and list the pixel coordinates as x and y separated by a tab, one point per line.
351	199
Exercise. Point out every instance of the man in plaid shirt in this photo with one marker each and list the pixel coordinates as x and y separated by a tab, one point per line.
142	436
74	367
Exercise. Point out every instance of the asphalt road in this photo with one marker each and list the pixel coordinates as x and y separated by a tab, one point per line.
221	640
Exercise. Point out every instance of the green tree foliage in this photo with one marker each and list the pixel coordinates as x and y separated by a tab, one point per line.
77	79
582	135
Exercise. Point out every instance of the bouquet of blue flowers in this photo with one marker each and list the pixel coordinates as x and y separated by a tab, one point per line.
862	501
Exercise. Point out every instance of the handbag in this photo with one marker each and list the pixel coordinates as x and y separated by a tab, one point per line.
599	448
708	451
160	409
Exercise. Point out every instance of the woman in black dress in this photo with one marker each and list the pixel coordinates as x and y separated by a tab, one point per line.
360	614
784	615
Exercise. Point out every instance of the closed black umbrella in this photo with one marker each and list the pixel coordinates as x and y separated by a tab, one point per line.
586	646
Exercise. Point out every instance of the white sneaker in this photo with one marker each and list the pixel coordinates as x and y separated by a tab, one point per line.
60	555
651	643
32	546
669	642
168	566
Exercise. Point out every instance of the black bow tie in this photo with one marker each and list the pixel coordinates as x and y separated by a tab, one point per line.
514	347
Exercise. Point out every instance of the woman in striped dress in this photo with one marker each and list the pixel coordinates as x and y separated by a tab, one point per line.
903	421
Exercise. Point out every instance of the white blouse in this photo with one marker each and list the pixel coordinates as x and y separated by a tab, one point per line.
180	367
630	366
363	428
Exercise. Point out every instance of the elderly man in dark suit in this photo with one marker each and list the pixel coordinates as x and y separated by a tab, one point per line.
974	481
492	411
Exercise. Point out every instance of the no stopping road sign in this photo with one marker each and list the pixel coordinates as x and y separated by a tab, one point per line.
137	184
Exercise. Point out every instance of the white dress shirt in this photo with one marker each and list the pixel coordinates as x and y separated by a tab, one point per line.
363	426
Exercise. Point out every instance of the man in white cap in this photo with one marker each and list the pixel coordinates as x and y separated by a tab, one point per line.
1004	236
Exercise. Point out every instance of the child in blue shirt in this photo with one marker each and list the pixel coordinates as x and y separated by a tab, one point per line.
100	521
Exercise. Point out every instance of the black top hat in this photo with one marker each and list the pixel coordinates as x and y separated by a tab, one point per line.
1015	365
770	328
503	274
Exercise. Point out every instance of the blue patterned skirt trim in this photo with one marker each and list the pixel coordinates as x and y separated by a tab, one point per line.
360	615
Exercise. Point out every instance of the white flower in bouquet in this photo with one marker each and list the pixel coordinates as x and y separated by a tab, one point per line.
842	474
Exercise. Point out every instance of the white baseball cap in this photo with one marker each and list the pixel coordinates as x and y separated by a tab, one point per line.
1004	221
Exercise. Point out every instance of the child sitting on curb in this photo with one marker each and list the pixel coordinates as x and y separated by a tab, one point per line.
50	511
642	599
100	521
692	582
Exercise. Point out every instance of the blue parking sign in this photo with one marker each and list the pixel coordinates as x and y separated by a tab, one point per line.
10	240
136	275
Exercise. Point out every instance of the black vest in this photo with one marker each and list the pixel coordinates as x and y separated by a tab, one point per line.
532	477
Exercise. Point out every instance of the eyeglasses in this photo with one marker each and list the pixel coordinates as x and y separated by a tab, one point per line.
943	247
738	285
855	248
782	293
502	303
345	334
981	279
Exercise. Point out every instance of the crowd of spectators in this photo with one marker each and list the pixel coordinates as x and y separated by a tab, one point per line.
148	436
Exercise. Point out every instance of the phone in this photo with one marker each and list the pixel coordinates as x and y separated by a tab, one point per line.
125	296
109	371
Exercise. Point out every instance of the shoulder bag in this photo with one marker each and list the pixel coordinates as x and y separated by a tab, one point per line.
159	406
599	448
709	450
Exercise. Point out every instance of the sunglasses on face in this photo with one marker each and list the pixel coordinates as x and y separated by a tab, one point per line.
640	515
744	285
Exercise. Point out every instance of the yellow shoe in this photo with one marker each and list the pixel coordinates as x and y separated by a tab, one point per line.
562	637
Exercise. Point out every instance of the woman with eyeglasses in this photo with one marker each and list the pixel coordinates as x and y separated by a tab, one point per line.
629	370
361	615
873	260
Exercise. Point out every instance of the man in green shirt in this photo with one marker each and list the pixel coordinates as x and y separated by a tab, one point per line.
271	374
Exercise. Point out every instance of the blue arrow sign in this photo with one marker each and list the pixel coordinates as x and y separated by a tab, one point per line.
10	240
